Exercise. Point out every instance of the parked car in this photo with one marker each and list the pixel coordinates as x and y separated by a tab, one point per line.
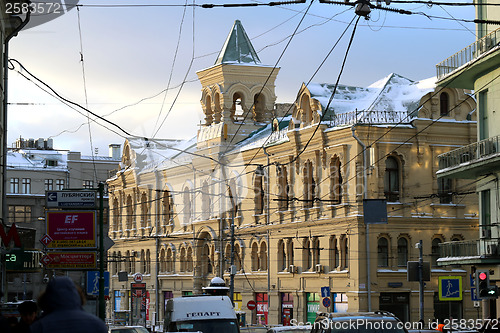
359	322
128	329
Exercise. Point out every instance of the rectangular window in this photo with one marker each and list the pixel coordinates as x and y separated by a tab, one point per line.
19	214
26	186
59	184
88	184
49	184
485	208
444	190
14	185
483	126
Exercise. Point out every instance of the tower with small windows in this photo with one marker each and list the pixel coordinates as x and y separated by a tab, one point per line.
238	92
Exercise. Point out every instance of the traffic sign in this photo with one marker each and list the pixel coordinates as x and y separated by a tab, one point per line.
71	229
326	302
450	288
46	239
70	260
251	305
325	291
93	278
71	199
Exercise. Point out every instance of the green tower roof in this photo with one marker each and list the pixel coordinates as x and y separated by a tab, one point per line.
237	48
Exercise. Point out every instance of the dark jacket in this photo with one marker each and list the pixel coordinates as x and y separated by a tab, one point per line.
63	312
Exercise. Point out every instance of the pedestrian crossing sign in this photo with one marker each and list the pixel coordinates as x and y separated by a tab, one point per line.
450	288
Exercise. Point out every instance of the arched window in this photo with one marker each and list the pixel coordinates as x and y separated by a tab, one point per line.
237	257
289	252
237	112
189	260
281	255
315	251
444	104
402	252
163	263
148	262
206	205
435	251
130	213
258	108
283	187
166	210
187	205
258	188
334	254
170	261
255	257
263	256
309	185
345	252
335	181
144	210
208	111
391	179
116	216
182	259
383	252
143	261
128	262
306	254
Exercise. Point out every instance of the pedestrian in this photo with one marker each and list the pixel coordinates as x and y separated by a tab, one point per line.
63	312
27	310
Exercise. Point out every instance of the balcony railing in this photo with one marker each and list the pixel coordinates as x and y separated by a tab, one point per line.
460	249
471	52
469	153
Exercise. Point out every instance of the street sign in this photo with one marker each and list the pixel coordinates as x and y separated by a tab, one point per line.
71	199
71	229
70	260
93	283
251	305
46	239
326	302
325	291
450	288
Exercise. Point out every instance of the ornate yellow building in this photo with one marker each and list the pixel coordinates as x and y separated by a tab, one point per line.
290	180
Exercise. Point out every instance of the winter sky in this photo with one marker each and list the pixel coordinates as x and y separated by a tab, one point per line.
133	53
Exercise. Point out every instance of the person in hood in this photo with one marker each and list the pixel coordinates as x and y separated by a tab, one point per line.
62	310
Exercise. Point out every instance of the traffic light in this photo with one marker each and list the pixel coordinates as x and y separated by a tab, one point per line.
484	290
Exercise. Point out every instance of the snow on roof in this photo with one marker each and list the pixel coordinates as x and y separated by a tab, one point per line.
392	93
162	153
30	159
237	48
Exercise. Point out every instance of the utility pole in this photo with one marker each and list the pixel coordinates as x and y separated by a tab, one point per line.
421	279
102	305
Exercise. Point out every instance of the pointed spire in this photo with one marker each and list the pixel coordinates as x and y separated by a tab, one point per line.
237	48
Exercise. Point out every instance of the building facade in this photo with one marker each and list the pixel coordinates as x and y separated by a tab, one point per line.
271	196
34	167
476	67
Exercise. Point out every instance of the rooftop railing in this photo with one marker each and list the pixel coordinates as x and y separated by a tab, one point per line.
469	153
471	52
370	117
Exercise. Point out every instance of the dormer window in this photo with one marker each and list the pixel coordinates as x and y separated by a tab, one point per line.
51	163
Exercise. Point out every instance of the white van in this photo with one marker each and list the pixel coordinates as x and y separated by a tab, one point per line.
207	314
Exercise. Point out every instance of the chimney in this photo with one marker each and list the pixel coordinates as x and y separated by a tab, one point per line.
114	151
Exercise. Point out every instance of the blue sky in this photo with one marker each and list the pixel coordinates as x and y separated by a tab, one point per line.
129	55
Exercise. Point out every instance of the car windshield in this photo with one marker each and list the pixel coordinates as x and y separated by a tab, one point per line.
365	326
207	326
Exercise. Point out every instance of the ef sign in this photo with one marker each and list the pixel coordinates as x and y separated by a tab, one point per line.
138	277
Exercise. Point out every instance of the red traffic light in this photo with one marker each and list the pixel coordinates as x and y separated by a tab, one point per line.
483	276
